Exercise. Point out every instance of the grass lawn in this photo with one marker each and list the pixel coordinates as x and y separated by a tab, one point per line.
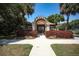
15	50
66	49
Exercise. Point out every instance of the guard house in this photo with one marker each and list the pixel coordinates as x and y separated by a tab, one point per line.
41	25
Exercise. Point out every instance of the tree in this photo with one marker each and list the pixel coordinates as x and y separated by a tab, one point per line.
13	15
17	10
69	9
74	24
55	18
25	9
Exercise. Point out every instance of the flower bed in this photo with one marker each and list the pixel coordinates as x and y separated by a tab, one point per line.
59	34
22	33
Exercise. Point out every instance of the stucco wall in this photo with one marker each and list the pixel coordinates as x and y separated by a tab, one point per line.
40	21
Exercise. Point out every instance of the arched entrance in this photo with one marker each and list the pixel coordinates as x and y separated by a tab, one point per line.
40	28
40	23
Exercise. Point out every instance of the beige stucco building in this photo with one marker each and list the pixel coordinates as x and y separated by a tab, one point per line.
40	24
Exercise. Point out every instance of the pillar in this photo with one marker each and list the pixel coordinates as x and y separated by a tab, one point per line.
33	26
47	28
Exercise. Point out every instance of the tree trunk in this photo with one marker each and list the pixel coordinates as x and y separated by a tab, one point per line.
23	20
67	24
56	26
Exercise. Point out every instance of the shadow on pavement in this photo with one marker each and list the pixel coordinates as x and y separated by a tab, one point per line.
6	41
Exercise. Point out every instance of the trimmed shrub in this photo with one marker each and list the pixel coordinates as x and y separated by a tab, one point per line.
22	33
33	33
59	34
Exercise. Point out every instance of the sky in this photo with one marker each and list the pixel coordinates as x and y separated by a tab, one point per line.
47	9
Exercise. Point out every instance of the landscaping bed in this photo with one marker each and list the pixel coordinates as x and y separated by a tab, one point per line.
66	49
7	36
26	34
58	34
15	50
21	34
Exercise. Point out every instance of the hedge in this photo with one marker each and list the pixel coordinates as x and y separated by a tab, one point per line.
22	33
59	34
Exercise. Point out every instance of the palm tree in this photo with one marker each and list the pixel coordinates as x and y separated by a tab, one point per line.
69	9
24	9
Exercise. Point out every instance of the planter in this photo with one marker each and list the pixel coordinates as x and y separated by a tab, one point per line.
29	37
52	37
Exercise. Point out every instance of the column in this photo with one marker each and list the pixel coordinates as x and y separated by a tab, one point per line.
33	26
47	27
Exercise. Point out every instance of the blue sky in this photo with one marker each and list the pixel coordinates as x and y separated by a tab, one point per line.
47	9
